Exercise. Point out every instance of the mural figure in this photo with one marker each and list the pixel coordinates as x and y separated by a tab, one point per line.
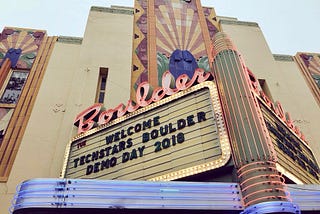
182	62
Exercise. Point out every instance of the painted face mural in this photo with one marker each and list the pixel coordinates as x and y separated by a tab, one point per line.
13	54
182	62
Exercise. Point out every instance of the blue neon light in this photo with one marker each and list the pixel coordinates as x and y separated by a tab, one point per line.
84	193
272	207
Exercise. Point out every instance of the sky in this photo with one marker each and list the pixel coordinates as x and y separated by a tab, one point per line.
289	26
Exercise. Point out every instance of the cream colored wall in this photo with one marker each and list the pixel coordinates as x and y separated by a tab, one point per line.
254	50
107	43
283	78
299	102
69	86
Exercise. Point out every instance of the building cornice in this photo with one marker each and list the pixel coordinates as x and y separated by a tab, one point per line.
70	40
117	10
281	57
234	22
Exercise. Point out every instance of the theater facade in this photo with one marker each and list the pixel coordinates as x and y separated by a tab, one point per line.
164	107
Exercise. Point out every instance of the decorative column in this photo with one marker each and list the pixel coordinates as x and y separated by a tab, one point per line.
262	186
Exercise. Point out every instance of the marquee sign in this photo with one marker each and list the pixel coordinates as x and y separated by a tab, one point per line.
95	115
293	152
294	155
178	136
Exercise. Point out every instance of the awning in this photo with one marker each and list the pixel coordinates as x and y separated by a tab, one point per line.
70	196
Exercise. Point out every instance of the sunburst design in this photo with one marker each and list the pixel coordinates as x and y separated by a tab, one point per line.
27	41
163	28
19	40
315	66
312	62
178	27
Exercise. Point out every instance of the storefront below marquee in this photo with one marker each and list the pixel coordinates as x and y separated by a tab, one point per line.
70	196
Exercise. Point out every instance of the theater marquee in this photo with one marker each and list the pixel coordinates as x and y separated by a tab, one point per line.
178	136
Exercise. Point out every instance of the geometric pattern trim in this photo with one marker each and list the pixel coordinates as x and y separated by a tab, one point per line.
22	44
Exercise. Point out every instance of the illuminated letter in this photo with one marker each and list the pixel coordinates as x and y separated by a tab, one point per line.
158	94
143	93
167	82
266	98
87	119
280	111
132	107
199	75
254	81
289	121
121	110
105	116
181	82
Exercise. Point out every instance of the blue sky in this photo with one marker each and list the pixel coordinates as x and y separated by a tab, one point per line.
289	26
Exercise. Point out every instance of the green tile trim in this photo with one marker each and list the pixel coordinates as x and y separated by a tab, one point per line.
281	57
70	40
231	22
112	10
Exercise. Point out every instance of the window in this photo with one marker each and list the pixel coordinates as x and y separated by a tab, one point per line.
102	83
11	92
12	86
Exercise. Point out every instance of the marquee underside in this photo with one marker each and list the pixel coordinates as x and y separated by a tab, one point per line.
69	196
